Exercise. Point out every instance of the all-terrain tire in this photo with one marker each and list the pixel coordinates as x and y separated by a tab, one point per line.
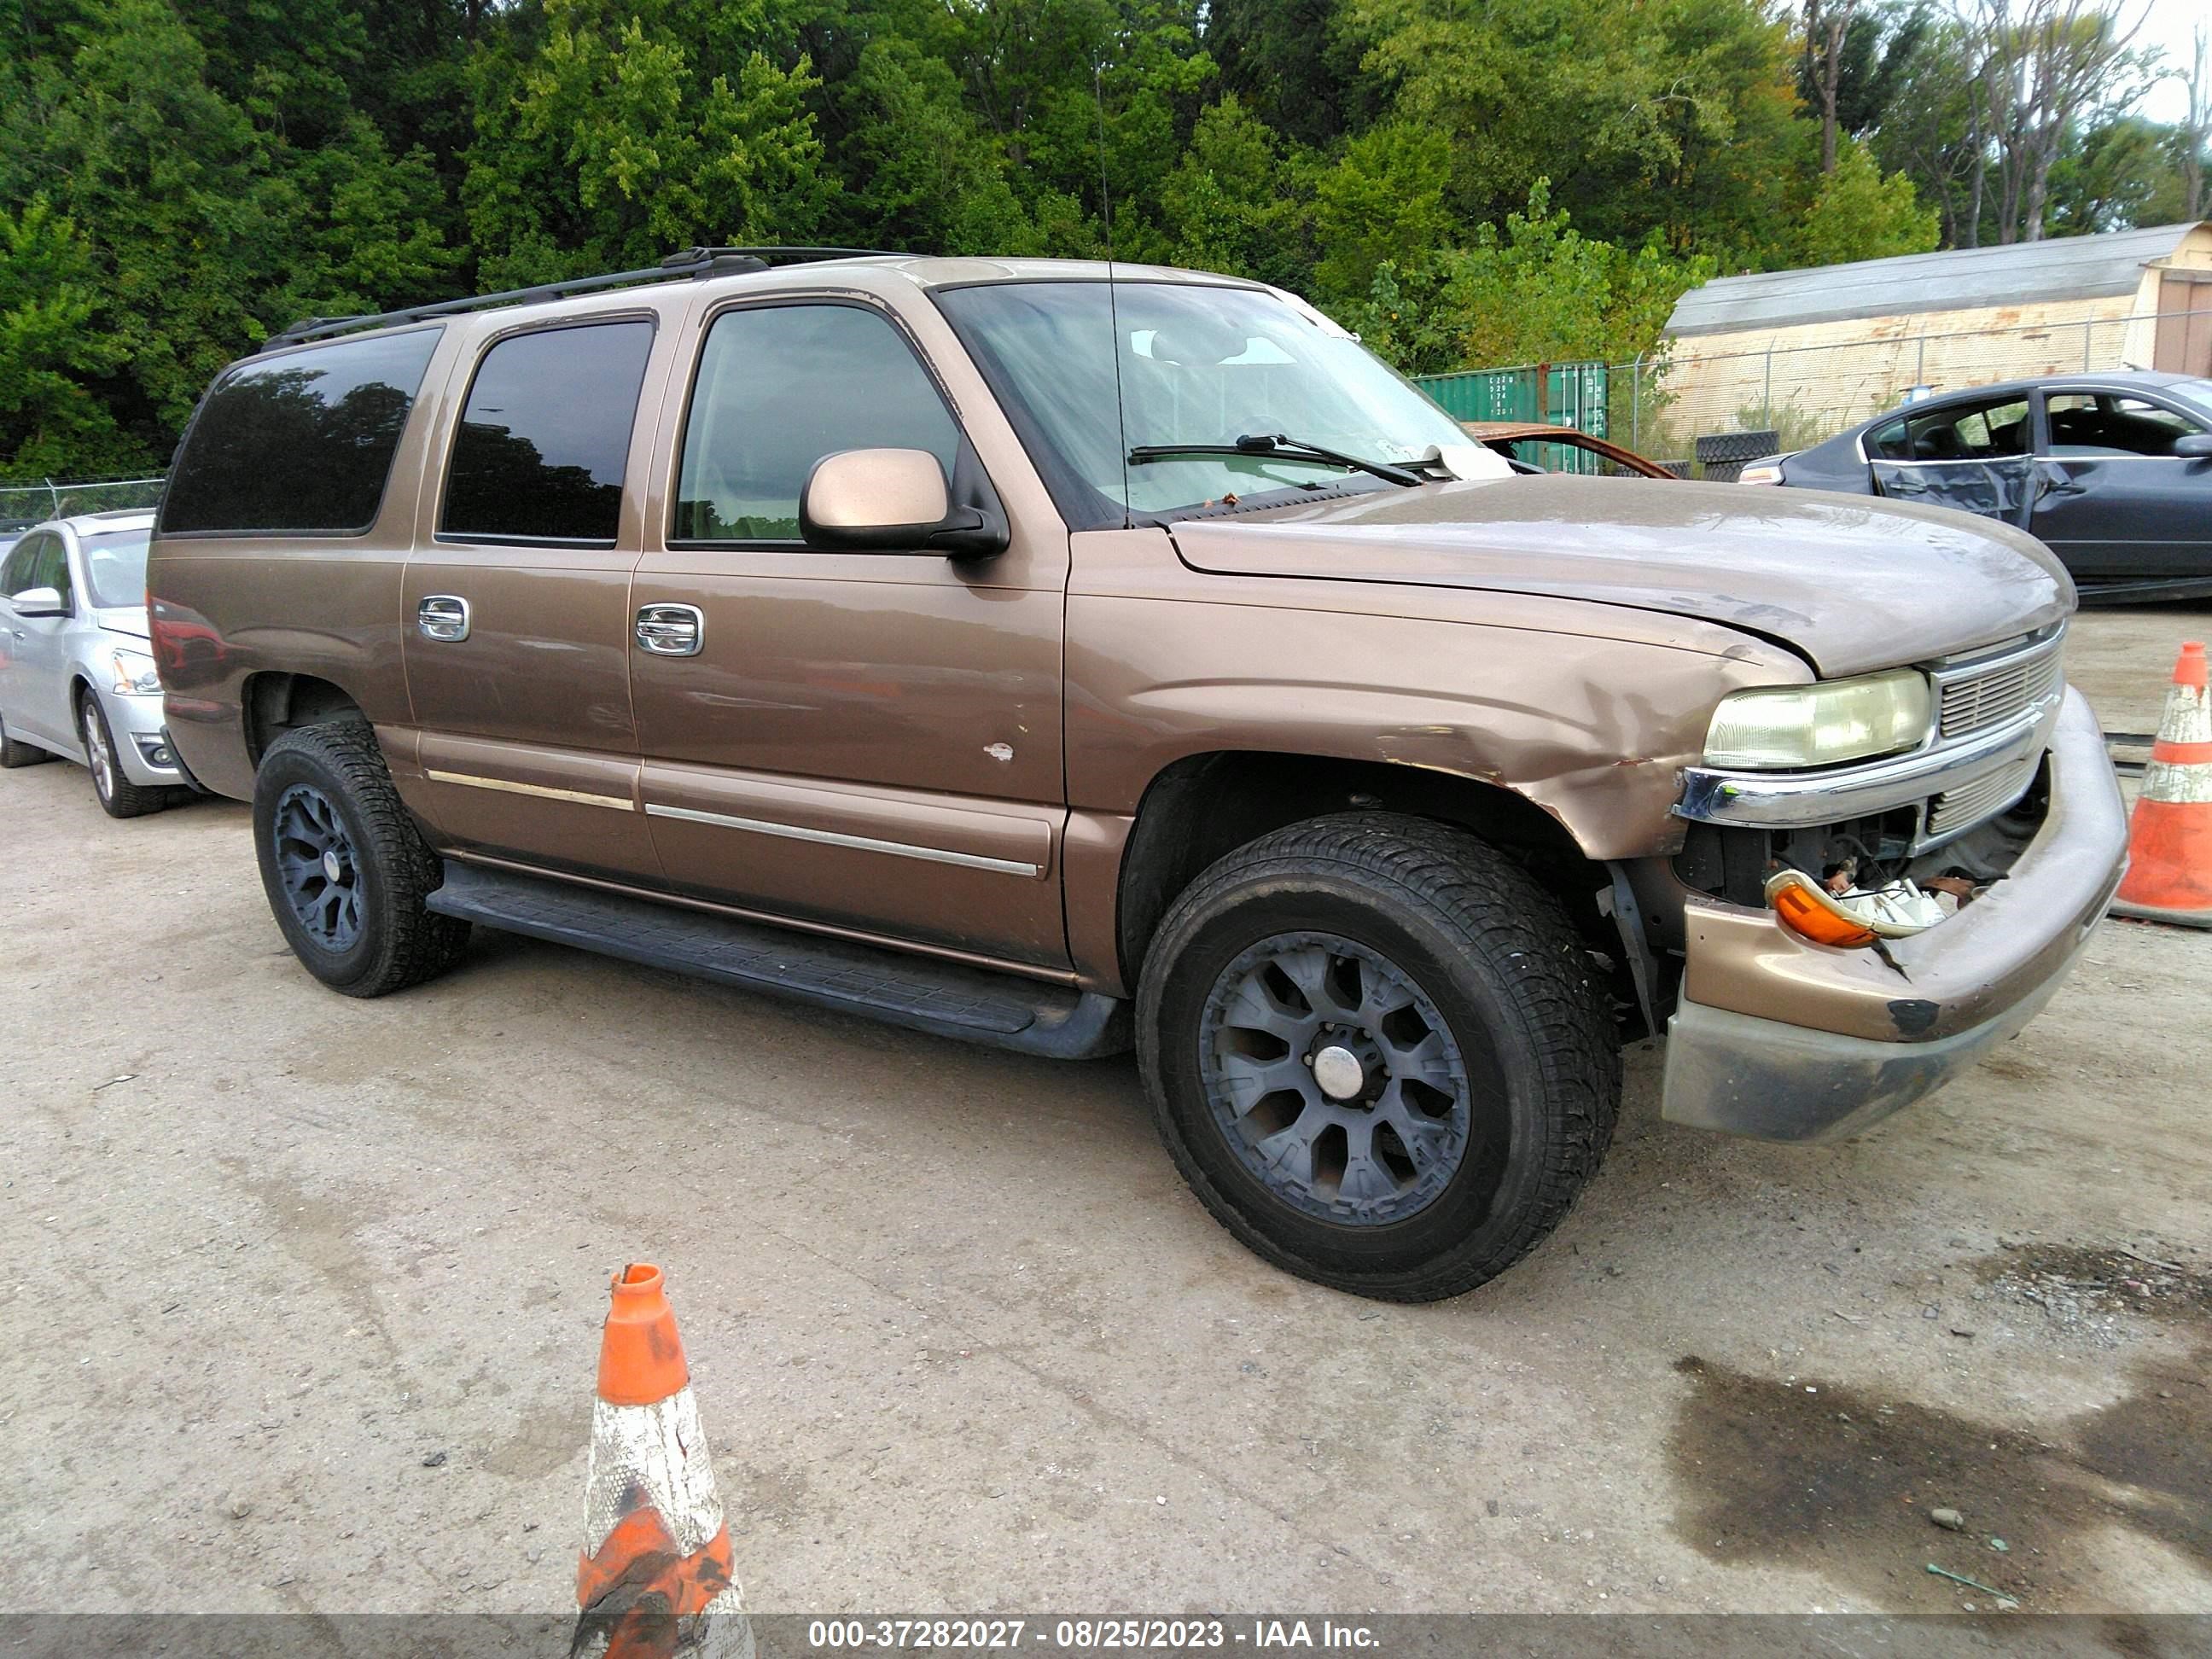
13	754
1487	948
111	788
393	941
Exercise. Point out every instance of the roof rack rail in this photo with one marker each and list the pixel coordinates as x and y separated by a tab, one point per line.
694	262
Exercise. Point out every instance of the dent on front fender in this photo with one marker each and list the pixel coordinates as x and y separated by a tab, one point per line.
1593	731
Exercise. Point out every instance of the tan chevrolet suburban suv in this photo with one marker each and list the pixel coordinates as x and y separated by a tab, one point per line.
1060	659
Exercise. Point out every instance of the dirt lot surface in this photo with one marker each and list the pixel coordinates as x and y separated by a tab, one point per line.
303	1299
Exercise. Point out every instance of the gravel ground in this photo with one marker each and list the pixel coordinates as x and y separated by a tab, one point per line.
307	1290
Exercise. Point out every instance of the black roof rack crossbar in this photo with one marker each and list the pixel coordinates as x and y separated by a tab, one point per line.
691	263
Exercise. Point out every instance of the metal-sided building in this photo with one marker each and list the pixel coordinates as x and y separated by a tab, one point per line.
1813	350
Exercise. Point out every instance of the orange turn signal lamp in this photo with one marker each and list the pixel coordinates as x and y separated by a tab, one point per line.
1808	910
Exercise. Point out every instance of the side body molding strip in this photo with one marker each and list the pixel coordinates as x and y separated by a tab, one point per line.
835	838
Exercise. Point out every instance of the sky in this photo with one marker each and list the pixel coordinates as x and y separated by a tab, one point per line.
2168	25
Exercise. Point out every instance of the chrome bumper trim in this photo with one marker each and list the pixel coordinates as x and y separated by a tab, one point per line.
1788	801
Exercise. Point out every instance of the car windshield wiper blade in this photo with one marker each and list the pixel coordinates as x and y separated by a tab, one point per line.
1281	445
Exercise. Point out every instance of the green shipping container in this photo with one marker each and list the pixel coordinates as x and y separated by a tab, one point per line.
1557	394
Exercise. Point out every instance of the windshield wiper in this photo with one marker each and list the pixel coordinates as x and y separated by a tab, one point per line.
1280	444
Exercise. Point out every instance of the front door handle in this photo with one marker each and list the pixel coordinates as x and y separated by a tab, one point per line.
671	630
442	617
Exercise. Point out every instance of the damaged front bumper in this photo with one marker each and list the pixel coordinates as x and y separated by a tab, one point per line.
1779	1038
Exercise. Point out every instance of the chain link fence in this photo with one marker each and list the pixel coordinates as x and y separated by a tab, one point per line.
22	505
1661	404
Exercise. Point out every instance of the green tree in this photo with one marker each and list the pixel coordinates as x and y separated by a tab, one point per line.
1382	202
172	189
1678	116
927	174
630	129
1294	65
1236	203
1859	212
2111	177
53	352
1537	291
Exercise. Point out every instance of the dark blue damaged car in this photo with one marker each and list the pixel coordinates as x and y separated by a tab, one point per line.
2113	471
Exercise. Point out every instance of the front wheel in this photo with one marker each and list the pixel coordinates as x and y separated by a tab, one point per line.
1377	1050
345	869
118	797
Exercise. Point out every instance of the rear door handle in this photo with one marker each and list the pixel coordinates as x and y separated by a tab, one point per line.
672	630
442	617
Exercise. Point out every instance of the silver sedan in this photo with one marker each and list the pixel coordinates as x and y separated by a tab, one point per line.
77	678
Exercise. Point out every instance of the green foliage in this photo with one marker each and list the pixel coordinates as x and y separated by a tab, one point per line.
1235	202
50	421
1539	292
627	130
1859	212
1464	182
929	173
2121	174
1383	201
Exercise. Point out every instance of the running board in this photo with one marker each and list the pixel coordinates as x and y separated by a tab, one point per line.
944	999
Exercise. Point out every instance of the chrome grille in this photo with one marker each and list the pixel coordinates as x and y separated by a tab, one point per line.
1972	702
1985	798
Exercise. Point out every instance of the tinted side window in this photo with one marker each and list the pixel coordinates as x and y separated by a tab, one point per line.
779	388
51	568
544	437
1977	432
1888	443
302	442
15	573
2086	424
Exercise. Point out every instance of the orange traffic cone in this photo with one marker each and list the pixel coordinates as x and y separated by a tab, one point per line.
654	1576
2170	838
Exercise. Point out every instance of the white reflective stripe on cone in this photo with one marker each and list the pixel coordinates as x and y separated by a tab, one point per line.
655	1457
2187	719
2187	785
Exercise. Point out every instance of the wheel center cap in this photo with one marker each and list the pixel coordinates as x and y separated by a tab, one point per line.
332	868
1339	1072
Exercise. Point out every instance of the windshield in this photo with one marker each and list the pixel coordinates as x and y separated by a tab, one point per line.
115	566
1199	365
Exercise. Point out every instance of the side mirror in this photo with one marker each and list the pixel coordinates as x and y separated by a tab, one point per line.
40	602
891	500
2194	446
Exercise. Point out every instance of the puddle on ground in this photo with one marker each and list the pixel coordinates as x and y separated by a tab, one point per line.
1841	1481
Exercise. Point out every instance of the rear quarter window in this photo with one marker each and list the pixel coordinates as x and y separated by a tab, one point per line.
299	444
544	437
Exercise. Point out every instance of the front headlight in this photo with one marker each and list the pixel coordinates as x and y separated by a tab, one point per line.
135	673
1784	727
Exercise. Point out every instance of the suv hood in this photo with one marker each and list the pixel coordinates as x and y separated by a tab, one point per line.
1850	582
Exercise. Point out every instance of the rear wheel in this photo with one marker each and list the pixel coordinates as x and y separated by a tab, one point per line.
1377	1050
344	867
13	754
118	797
